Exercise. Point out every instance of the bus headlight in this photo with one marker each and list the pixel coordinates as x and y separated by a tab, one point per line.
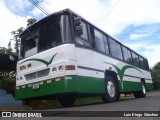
17	79
60	68
54	70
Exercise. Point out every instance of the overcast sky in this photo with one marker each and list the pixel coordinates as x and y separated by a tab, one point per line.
136	23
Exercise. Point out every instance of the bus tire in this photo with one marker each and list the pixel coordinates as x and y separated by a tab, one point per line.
142	93
67	101
111	90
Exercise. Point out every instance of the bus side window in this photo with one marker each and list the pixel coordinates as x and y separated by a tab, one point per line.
112	46
135	59
99	43
119	51
146	64
83	39
141	62
106	45
127	55
115	49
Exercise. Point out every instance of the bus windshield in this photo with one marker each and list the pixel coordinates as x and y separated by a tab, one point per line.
52	33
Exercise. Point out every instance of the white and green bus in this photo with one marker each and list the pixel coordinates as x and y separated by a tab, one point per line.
64	57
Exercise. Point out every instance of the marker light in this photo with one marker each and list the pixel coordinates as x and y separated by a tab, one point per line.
70	67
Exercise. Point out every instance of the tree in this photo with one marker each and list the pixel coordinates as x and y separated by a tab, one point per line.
30	21
156	75
17	32
4	50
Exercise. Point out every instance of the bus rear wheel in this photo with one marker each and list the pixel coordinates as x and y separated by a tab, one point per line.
142	93
67	101
111	90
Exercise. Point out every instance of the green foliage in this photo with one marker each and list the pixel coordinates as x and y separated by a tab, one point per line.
7	77
30	21
17	32
156	76
4	50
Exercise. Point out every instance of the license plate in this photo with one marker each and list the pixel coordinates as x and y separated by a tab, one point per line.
35	86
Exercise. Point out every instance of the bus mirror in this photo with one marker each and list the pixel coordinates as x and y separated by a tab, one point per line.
78	26
77	21
79	30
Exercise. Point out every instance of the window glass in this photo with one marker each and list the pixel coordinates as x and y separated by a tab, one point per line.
83	39
50	34
31	42
146	64
119	51
113	48
135	59
127	55
141	62
84	27
106	45
99	43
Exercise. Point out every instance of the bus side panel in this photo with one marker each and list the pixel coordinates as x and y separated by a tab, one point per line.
90	76
90	85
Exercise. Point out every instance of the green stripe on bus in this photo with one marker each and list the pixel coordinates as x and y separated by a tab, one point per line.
122	71
40	60
78	84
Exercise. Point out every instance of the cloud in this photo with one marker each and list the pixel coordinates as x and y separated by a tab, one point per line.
8	22
137	36
136	12
18	6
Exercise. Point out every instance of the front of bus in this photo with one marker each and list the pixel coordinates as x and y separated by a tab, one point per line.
47	64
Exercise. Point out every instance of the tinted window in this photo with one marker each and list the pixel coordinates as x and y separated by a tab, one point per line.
106	45
141	62
99	43
84	35
115	49
119	51
127	55
83	39
135	59
146	64
50	34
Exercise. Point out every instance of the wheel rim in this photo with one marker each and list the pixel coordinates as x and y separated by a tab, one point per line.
143	89
111	88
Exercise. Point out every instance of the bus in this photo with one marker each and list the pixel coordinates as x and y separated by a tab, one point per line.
65	57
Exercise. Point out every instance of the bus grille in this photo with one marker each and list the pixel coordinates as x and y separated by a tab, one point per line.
37	74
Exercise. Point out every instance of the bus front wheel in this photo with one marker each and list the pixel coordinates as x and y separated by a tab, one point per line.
111	90
142	93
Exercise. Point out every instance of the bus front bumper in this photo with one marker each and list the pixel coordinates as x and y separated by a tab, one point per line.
60	85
